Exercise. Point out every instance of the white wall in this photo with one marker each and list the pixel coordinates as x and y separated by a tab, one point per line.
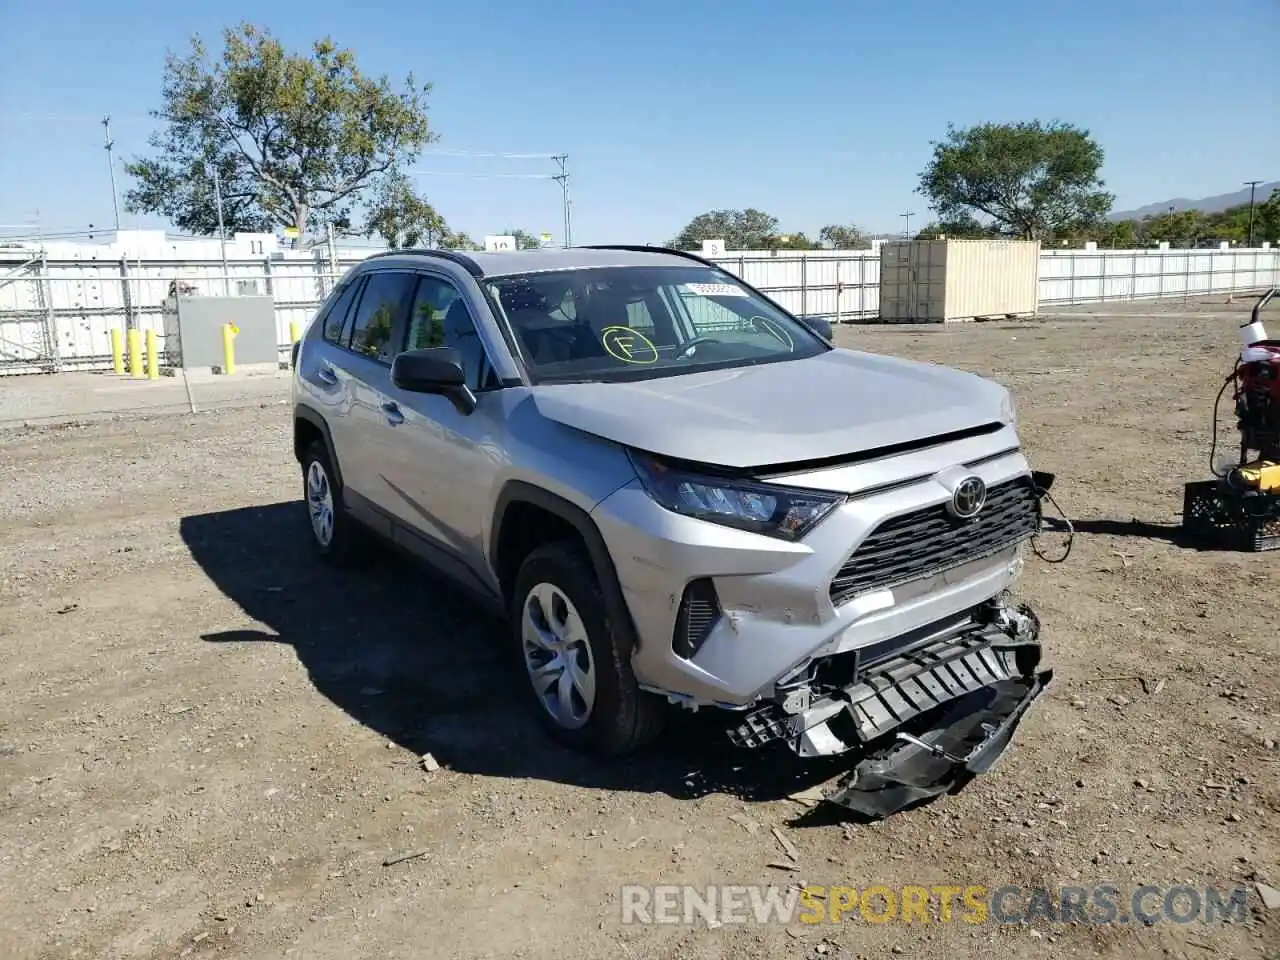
63	309
808	285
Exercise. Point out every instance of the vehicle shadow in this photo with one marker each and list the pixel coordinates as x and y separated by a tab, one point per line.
405	654
1172	533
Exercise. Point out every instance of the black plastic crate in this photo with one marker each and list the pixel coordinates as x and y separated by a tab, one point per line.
1215	512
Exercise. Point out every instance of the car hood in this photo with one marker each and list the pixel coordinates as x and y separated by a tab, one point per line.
836	403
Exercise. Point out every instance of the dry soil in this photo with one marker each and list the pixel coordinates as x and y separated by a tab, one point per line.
210	744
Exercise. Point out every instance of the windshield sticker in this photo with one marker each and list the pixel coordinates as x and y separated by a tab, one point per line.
775	330
628	346
715	290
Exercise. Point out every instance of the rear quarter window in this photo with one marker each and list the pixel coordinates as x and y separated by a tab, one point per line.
336	318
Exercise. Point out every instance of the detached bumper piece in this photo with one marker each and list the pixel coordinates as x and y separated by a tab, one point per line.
967	739
921	722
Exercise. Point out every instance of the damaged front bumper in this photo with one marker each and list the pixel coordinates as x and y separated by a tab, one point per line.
919	721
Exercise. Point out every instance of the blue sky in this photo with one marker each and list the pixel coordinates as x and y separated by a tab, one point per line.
819	111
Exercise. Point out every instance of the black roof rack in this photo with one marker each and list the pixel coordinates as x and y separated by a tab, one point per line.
641	248
461	259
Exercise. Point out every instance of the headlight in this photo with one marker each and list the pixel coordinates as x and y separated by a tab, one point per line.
784	512
1009	410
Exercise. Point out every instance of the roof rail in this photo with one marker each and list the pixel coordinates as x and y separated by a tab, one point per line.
641	248
461	259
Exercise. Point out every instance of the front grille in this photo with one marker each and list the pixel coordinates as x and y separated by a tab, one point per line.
921	544
698	614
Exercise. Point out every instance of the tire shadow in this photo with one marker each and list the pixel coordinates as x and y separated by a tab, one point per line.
405	654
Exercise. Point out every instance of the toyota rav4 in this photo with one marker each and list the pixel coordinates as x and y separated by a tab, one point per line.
676	492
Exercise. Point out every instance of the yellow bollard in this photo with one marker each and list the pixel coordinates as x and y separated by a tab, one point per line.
228	349
294	332
135	353
117	352
153	357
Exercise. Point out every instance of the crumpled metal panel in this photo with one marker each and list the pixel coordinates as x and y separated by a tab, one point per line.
909	686
967	741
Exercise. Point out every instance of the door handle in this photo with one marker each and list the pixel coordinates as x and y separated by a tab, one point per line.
326	375
393	413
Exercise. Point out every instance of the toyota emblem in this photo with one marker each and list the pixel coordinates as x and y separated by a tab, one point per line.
968	498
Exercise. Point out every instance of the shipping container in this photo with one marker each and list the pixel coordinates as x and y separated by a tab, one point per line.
939	281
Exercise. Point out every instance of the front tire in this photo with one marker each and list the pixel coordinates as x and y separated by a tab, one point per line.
335	536
576	660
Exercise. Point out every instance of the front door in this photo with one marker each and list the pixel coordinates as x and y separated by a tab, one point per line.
440	466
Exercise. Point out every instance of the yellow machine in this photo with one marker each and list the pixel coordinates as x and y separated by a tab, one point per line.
1241	506
1261	475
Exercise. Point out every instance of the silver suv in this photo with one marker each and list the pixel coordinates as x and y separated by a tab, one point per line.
679	493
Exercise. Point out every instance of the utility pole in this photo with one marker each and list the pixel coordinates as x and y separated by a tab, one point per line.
563	179
111	168
222	233
906	230
1252	185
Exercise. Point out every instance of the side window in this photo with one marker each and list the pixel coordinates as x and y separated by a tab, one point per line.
440	318
380	306
336	318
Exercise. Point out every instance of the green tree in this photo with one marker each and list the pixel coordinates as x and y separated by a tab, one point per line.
1031	179
402	218
1266	219
1119	235
748	229
846	237
962	227
794	241
457	241
296	140
1183	226
524	239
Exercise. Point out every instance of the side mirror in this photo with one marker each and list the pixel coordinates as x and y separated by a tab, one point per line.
819	326
434	370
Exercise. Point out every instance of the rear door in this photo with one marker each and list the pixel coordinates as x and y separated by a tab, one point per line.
363	368
323	384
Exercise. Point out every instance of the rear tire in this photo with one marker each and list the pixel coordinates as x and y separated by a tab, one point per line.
576	661
336	537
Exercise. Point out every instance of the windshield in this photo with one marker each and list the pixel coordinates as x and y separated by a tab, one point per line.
634	323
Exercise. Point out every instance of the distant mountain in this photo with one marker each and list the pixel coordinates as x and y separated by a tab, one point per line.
1222	201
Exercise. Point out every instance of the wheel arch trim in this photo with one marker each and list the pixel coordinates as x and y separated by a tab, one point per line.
519	491
308	414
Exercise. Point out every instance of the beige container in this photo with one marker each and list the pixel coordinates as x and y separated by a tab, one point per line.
940	281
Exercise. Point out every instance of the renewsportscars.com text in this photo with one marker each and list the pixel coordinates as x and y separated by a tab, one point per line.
939	903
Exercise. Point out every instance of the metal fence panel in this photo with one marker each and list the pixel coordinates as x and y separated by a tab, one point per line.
58	314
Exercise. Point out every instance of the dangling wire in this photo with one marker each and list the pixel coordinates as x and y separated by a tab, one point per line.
1071	532
1213	444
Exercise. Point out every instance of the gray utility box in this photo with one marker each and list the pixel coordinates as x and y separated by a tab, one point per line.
193	331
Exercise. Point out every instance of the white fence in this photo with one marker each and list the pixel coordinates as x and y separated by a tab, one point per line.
58	314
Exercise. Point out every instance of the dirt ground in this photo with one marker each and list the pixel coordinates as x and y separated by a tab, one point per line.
210	745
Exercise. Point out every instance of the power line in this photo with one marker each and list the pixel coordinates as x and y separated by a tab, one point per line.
86	118
489	155
70	118
481	176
